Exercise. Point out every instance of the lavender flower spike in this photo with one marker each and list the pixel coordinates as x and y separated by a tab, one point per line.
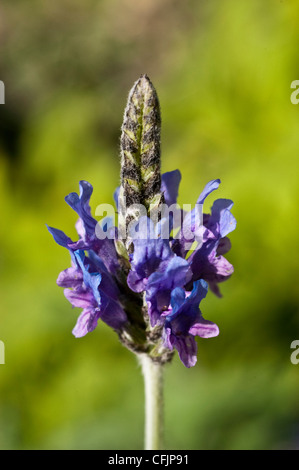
147	286
147	279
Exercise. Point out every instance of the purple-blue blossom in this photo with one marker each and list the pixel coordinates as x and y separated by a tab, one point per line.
146	275
150	297
185	321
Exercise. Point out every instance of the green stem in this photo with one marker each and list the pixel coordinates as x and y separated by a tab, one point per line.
153	385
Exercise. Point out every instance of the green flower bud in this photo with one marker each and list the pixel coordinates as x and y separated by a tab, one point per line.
140	150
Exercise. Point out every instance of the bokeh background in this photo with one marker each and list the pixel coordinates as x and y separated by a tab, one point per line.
223	72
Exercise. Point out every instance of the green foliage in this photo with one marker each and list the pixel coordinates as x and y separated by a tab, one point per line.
222	71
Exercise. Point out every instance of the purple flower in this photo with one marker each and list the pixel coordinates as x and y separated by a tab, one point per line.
155	269
90	287
170	182
185	322
208	261
160	271
150	253
160	286
147	277
89	283
86	228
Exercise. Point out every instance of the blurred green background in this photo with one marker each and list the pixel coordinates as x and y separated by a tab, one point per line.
223	71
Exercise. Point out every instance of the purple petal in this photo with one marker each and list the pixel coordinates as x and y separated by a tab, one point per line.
176	274
186	321
91	280
222	222
170	186
205	264
60	237
149	254
186	347
185	308
80	228
192	230
192	227
219	270
213	285
80	204
70	277
198	293
137	281
86	322
105	249
216	268
96	262
224	246
81	299
178	296
223	268
113	315
161	284
207	261
209	188
204	329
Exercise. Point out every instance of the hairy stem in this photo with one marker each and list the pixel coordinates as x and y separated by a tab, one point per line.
153	385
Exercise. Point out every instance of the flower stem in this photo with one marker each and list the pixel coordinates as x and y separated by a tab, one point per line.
153	385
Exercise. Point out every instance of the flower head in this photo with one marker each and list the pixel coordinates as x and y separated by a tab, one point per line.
147	286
